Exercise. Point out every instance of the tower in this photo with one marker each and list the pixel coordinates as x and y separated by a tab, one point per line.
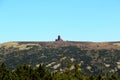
59	38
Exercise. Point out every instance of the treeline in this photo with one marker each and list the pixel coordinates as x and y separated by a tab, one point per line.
26	72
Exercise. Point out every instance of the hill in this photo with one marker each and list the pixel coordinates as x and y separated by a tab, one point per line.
93	57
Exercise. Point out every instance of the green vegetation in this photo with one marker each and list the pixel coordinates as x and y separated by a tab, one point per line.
62	59
26	72
94	62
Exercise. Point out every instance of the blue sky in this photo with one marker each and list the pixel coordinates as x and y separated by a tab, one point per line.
43	20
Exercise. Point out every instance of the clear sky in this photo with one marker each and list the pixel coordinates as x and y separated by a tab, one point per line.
74	20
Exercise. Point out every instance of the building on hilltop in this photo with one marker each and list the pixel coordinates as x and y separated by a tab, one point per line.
59	38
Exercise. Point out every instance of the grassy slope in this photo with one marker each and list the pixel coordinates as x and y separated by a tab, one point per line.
102	57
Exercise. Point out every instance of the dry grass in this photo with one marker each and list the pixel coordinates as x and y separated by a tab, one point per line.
17	45
81	45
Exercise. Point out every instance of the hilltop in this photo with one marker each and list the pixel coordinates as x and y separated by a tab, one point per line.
81	45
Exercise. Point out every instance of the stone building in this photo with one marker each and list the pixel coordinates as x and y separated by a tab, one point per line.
59	38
